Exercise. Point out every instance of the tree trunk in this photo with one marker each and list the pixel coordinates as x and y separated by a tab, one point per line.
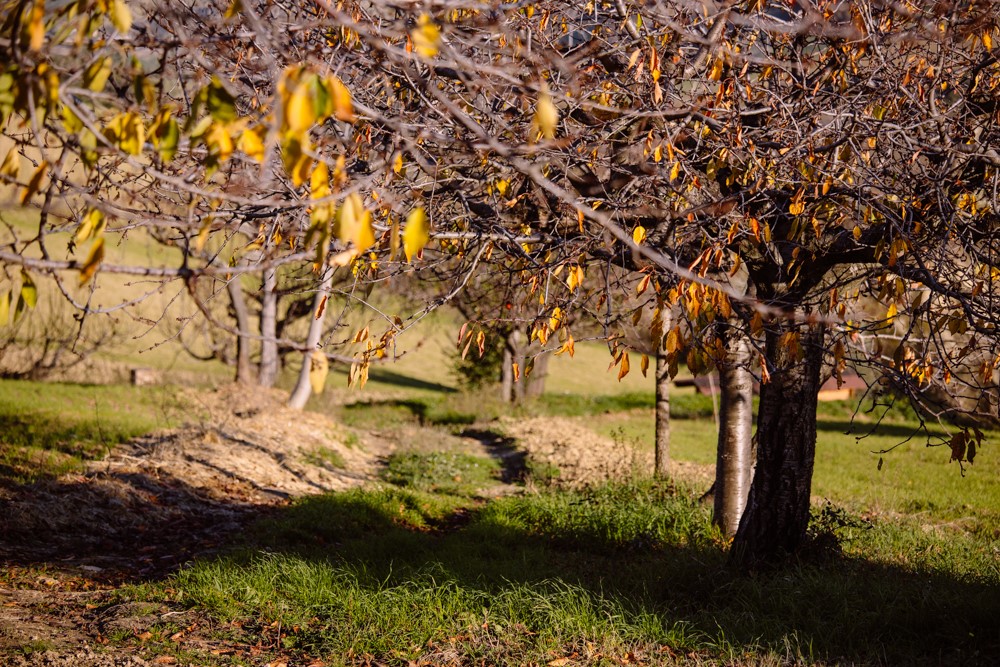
734	460
661	468
268	373
244	369
513	353
303	388
539	371
507	375
777	512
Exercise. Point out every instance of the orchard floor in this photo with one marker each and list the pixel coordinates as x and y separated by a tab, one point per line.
157	502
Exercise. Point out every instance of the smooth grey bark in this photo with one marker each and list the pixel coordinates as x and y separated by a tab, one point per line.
777	512
734	458
244	368
661	468
303	389
268	373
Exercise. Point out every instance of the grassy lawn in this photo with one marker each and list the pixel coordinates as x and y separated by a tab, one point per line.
48	429
624	573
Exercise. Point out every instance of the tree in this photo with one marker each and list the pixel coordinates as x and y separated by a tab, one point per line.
827	151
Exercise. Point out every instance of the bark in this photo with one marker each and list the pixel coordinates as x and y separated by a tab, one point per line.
539	371
513	353
734	459
507	375
244	368
268	373
777	513
662	448
303	389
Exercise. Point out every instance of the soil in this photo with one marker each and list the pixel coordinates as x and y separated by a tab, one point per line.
165	499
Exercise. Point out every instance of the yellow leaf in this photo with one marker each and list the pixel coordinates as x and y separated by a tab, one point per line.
91	225
96	76
354	223
644	364
319	367
206	228
4	309
36	26
319	182
546	117
857	233
575	277
672	343
416	234
300	113
796	208
121	16
29	292
675	171
251	143
555	321
397	164
93	261
623	369
559	662
639	234
11	166
568	346
34	183
890	314
343	107
426	37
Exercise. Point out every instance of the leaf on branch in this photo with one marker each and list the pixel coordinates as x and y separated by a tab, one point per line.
4	309
426	37
96	76
319	367
354	224
546	117
35	183
574	277
644	364
127	132
121	16
957	444
568	346
252	144
36	27
91	225
93	261
624	368
416	234
343	107
11	165
29	292
639	234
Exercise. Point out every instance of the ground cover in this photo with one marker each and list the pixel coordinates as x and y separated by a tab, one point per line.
452	533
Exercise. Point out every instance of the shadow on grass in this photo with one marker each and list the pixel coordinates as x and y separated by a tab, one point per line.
396	412
650	565
400	380
862	430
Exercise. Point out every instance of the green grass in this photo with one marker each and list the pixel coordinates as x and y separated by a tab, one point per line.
48	429
601	574
325	457
444	472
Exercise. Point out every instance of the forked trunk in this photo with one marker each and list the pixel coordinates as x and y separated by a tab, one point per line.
777	513
662	445
734	458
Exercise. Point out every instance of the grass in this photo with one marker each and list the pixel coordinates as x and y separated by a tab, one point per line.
49	429
444	472
621	572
